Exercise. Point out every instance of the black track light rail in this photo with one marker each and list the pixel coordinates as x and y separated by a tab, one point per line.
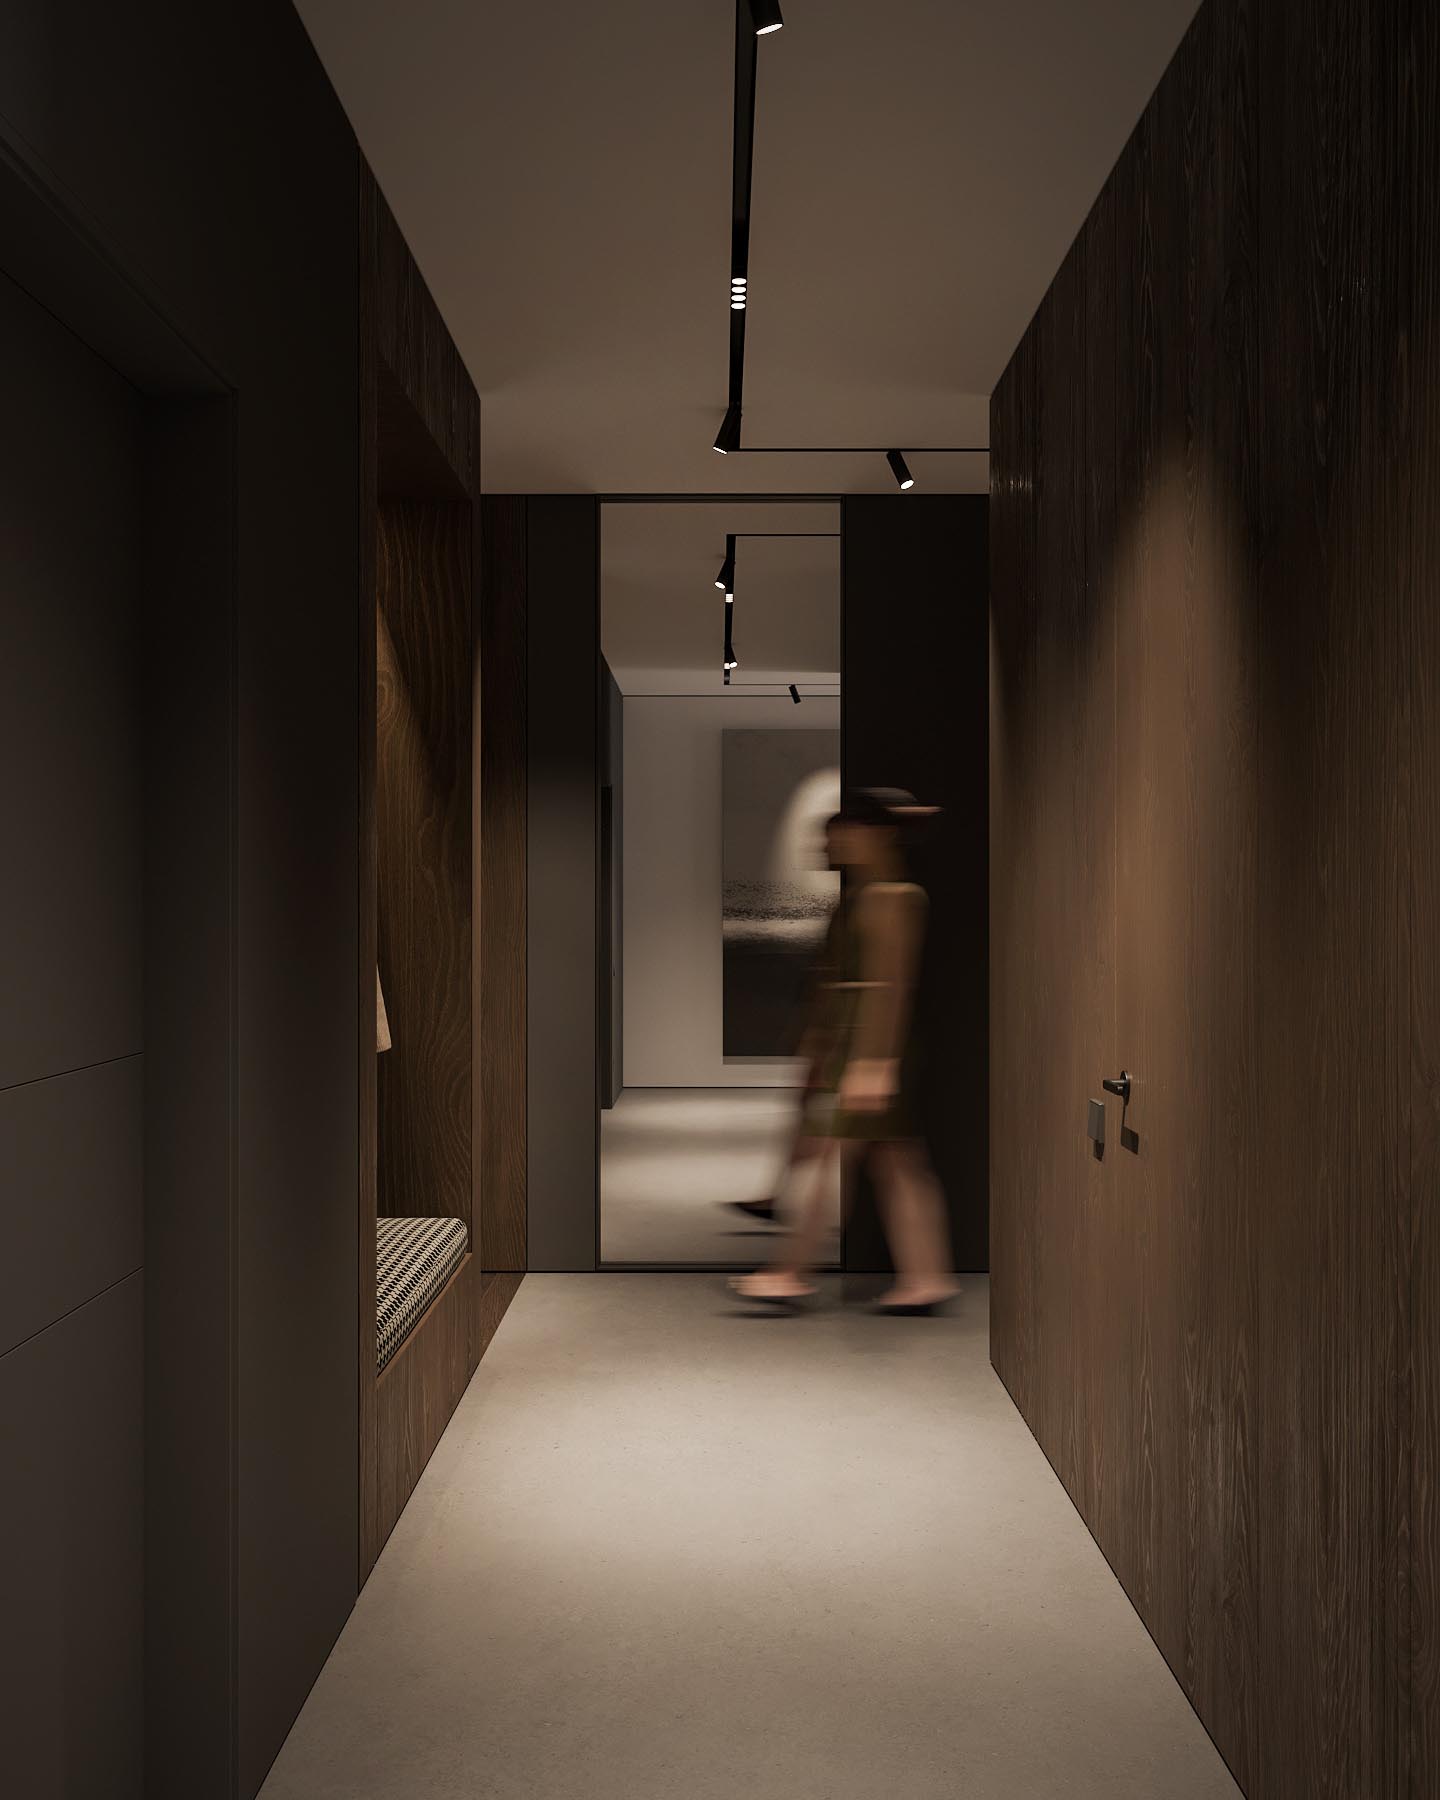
860	450
725	581
754	19
746	68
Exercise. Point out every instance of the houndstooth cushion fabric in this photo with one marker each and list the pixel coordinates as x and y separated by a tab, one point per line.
414	1259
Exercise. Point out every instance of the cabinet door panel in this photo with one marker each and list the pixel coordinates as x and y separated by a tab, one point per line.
71	1554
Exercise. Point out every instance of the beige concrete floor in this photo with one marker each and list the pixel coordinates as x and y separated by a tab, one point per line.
666	1551
671	1157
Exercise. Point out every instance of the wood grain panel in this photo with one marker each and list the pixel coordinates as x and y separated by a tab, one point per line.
1412	79
423	834
502	807
1111	1250
1077	836
1186	843
413	344
368	1075
1334	805
1014	697
496	1293
1217	1345
419	1390
421	1105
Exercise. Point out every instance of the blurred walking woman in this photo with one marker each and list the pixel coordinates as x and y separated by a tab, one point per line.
862	1095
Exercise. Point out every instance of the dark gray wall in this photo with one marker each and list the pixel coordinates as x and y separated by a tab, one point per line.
71	1065
191	1122
562	557
914	714
202	150
562	879
612	899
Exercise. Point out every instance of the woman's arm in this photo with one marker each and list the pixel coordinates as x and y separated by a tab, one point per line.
892	923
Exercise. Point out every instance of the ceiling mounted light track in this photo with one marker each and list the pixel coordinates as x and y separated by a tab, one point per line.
725	581
899	468
755	19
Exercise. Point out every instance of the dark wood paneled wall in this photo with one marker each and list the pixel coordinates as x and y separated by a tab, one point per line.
1215	744
427	645
1336	731
915	574
1414	423
502	950
423	829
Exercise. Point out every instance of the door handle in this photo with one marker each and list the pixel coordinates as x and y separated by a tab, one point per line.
1120	1087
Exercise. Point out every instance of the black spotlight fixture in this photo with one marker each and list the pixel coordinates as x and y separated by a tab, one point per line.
794	693
728	436
899	470
767	16
725	580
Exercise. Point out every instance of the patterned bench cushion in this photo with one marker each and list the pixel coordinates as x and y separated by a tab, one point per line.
414	1259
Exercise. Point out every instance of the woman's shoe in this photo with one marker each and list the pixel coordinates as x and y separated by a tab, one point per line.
914	1309
755	1209
770	1290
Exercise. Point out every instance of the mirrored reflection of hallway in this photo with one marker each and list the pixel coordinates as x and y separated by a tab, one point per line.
667	1550
670	1160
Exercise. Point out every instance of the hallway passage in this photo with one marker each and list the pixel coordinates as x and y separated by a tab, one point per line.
669	1551
671	1157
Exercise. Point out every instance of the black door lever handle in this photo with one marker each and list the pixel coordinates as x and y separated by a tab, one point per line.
1120	1087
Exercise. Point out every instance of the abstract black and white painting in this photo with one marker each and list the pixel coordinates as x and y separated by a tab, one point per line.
778	789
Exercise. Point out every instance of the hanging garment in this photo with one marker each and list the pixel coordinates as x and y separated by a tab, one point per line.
382	1022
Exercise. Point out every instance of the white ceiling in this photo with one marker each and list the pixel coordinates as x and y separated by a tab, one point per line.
663	619
561	169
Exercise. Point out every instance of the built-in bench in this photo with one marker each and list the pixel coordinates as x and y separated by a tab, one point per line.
414	1258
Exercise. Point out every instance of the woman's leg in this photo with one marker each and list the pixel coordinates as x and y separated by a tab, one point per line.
913	1209
802	1149
791	1275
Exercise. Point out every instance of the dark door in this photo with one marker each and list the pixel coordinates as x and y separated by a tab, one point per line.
71	1530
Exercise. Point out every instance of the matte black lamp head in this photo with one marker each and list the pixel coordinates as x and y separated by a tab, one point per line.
766	14
899	470
794	693
728	436
725	580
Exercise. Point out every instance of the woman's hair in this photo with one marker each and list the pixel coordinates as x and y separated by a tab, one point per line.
874	806
889	809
